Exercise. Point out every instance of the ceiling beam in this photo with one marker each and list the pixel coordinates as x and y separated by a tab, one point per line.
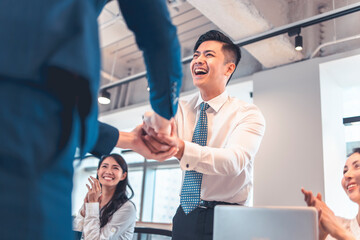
240	19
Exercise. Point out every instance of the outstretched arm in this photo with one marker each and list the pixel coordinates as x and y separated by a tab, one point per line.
156	36
109	137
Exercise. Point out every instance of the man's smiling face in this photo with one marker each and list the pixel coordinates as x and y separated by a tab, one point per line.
209	69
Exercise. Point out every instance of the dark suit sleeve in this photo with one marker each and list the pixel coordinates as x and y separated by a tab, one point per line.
99	5
106	141
156	37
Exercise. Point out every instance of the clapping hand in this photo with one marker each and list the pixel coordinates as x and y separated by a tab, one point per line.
94	192
311	201
328	222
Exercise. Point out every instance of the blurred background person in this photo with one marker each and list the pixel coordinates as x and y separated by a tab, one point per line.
49	82
331	226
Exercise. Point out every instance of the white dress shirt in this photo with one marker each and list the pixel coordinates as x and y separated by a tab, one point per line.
235	130
119	227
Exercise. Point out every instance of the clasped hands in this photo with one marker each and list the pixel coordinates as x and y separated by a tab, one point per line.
159	135
156	138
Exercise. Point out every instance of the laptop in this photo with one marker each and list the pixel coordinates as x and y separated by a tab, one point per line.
265	223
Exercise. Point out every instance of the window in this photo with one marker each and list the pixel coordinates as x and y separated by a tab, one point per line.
166	194
135	180
351	110
156	187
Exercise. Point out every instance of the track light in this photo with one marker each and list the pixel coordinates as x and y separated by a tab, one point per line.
104	98
298	38
298	43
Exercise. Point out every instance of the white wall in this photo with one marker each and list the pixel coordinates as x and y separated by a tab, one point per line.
291	152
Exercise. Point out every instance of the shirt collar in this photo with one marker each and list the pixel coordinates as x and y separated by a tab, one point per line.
215	103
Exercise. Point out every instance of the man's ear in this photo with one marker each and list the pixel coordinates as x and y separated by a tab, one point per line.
230	69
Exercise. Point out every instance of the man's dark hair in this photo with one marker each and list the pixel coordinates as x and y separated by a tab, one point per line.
355	150
231	51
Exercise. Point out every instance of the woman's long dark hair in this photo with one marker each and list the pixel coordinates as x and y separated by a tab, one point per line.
120	195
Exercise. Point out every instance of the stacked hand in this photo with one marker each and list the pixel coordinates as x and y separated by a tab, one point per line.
158	123
160	142
139	145
145	140
328	223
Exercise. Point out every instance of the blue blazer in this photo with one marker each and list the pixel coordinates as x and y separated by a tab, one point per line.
38	34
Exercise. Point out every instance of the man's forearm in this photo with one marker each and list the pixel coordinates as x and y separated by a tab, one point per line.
125	140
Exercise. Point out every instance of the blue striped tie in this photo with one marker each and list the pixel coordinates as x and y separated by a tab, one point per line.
190	192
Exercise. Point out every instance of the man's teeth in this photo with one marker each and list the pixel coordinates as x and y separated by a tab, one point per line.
200	71
351	185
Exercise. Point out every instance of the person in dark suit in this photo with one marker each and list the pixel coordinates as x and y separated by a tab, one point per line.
49	80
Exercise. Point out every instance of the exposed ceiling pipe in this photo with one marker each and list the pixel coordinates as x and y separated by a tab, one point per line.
302	23
334	42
